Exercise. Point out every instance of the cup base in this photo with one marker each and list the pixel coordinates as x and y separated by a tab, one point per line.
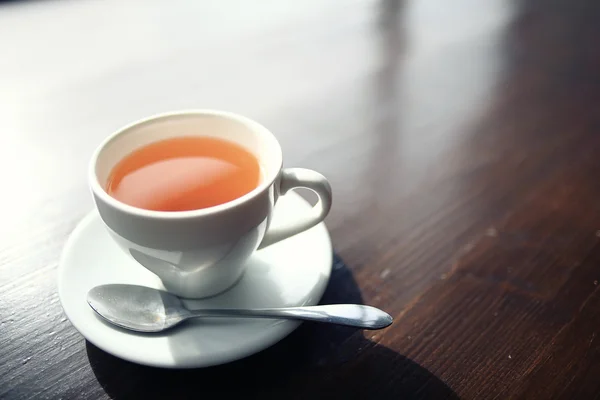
194	294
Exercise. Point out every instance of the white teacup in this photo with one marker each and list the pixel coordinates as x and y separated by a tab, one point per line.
202	252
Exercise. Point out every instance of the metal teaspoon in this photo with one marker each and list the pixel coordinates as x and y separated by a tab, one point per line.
143	309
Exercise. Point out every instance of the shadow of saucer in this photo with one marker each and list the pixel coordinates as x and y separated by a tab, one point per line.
315	361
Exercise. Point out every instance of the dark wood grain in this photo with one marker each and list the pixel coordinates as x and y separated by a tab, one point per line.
462	140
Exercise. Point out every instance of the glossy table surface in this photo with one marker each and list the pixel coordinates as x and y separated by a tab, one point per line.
462	141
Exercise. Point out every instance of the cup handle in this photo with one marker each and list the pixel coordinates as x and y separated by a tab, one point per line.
301	178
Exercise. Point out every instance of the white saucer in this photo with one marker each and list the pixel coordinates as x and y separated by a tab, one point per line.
293	272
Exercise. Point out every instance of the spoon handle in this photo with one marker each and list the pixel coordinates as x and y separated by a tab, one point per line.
355	315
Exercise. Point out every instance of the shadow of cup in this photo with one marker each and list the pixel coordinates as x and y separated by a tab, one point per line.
315	361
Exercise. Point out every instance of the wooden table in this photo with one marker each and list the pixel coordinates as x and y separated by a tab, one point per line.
462	140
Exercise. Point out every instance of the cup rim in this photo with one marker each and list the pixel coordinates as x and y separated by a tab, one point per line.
99	190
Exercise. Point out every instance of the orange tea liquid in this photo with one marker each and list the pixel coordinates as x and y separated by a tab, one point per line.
184	173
